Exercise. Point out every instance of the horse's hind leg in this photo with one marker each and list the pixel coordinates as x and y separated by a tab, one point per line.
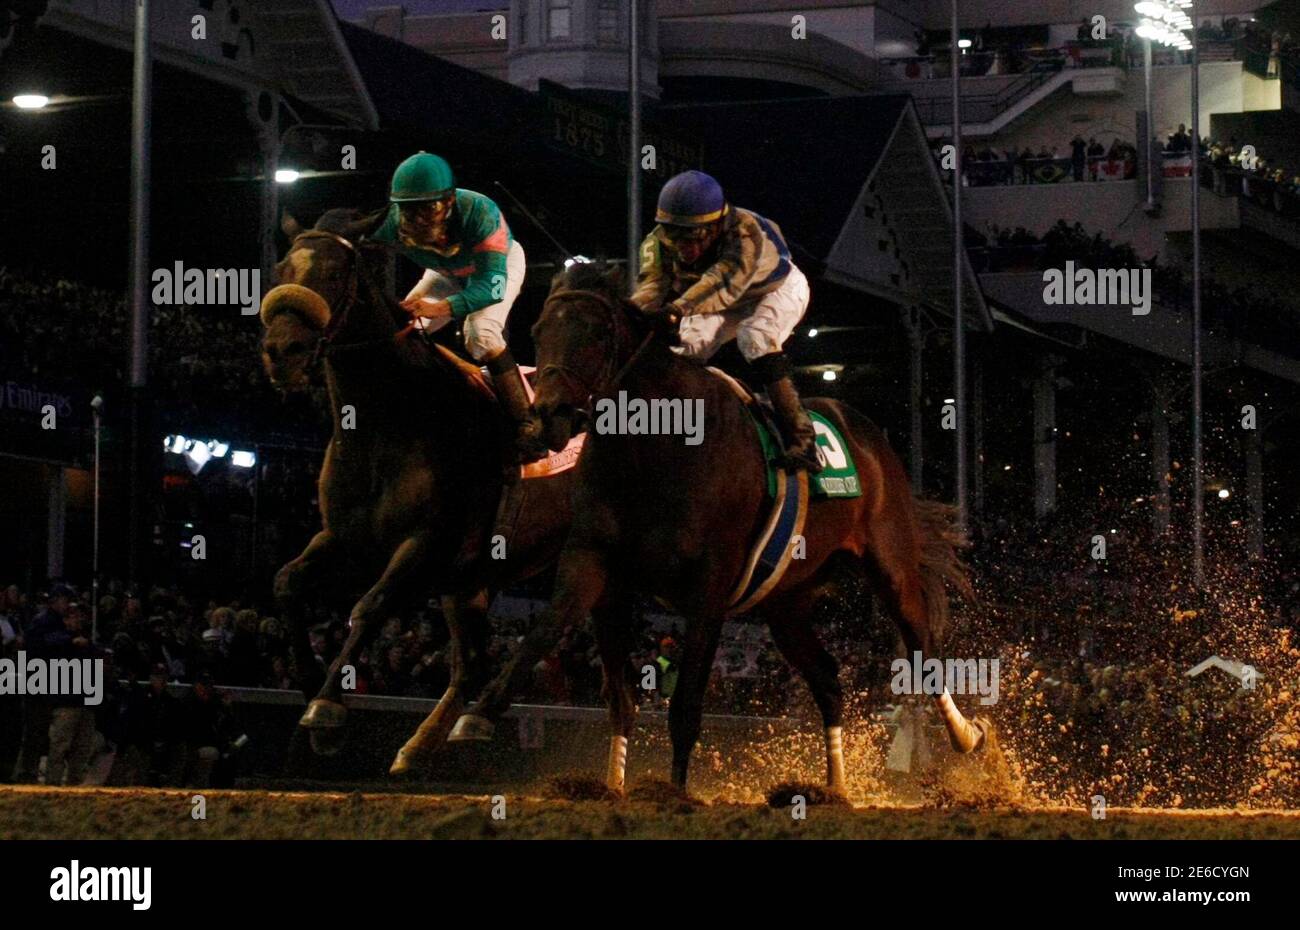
614	636
465	616
896	577
686	706
579	584
788	619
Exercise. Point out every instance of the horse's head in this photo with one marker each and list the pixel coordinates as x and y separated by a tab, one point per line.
579	337
313	280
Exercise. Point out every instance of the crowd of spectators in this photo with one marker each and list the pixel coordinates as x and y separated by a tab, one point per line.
204	364
1231	169
1088	160
1252	313
1096	654
1100	645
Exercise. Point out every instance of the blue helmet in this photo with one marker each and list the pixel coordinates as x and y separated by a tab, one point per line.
691	198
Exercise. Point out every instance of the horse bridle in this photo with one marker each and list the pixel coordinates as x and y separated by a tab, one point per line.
355	272
610	379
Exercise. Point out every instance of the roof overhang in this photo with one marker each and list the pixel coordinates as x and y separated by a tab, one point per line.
897	240
288	46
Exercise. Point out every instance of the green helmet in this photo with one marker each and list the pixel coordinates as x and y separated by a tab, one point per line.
423	176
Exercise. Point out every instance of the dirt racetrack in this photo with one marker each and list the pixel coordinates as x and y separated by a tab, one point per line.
649	813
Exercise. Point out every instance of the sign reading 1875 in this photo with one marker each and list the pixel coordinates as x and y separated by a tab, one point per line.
598	134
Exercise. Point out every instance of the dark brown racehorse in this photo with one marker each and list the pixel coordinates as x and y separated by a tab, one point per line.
410	485
676	521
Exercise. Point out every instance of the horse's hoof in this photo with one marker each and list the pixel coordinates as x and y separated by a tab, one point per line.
404	762
324	714
327	742
970	738
471	728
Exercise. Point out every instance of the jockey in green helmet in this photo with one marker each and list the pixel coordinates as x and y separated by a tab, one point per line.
474	270
727	274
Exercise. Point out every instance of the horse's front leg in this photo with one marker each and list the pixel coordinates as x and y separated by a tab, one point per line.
466	621
407	571
579	583
317	566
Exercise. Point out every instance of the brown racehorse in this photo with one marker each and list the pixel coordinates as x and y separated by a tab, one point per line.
412	475
676	521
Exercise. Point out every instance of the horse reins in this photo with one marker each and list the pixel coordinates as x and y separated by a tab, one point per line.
358	270
611	381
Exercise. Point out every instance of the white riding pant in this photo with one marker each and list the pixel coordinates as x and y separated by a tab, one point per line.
485	330
759	328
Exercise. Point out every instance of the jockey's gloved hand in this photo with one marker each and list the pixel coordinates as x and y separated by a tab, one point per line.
665	318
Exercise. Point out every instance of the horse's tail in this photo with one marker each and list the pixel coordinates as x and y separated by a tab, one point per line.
941	562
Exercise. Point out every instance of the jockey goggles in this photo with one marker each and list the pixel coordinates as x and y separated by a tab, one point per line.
418	209
676	234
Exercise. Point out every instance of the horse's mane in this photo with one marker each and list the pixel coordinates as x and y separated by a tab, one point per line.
350	222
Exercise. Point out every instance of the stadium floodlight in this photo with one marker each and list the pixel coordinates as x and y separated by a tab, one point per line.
286	175
199	454
31	101
177	443
218	448
829	375
812	333
1164	22
243	459
963	43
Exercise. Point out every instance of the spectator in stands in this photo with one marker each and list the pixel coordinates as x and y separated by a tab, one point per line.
72	722
206	729
150	753
1078	157
244	663
1180	141
46	634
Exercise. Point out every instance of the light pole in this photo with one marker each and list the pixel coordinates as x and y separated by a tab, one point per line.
958	329
97	408
633	143
141	117
1166	21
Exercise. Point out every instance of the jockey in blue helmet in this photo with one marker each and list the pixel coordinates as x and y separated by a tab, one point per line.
727	274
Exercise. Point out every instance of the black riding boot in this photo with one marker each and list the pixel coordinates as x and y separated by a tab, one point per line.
797	432
509	383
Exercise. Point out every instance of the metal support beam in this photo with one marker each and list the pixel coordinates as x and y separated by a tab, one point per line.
1159	460
916	448
958	325
633	143
1045	441
1254	440
140	473
1198	460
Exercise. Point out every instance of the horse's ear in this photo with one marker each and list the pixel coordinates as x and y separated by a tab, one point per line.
289	225
615	278
365	225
